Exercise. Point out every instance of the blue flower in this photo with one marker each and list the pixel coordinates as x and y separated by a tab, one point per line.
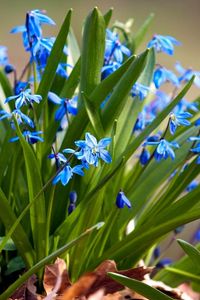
66	105
72	199
196	150
187	105
122	200
66	174
140	90
163	43
192	186
164	262
3	56
24	98
164	149
114	48
162	75
144	157
31	137
177	119
186	74
91	151
108	69
20	117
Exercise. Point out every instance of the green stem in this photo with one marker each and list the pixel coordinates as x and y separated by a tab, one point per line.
48	222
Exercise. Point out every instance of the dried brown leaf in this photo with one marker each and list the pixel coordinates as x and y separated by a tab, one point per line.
56	278
92	282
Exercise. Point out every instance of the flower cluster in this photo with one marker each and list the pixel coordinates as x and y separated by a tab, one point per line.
89	152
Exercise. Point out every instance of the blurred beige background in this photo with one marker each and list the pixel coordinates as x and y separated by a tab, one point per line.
179	18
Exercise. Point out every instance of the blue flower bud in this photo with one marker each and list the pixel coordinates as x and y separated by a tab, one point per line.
164	262
122	200
9	69
71	208
72	197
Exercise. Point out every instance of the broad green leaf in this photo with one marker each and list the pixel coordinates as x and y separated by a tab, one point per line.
98	96
140	287
130	112
72	81
73	46
48	259
19	236
53	61
184	274
93	47
192	252
140	34
94	116
37	210
118	98
108	16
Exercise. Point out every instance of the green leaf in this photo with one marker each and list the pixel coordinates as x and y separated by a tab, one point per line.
37	210
192	252
15	264
118	98
19	237
140	35
98	96
140	287
48	259
172	279
184	275
53	61
73	46
93	47
133	107
108	16
5	84
72	81
94	116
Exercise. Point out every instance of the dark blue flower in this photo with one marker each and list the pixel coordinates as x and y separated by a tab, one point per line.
162	75
9	68
66	105
156	252
73	197
140	90
91	151
144	157
122	200
114	49
66	174
177	119
163	43
186	74
164	149
24	98
197	122
196	150
31	137
164	262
